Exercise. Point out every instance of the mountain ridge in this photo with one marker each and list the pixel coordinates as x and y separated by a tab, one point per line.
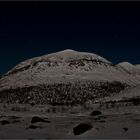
64	66
65	77
61	56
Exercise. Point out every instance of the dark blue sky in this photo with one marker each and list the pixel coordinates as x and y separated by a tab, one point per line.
28	29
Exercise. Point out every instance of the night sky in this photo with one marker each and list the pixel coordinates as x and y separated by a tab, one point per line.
29	29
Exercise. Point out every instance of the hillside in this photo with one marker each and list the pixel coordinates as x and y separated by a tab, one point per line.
65	77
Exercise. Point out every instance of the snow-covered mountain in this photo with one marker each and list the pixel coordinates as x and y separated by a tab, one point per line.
65	66
129	68
65	77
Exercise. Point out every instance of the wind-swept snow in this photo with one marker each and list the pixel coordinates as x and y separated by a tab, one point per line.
58	92
66	66
129	68
59	57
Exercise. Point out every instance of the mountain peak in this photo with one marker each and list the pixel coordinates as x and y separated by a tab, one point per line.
125	63
64	57
68	54
62	66
129	68
68	50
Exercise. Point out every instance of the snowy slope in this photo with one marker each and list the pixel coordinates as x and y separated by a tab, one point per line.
127	93
138	66
58	58
65	66
129	68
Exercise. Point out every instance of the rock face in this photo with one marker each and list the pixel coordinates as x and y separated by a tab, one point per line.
65	77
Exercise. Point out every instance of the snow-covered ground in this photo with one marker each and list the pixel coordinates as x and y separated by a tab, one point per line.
123	122
17	121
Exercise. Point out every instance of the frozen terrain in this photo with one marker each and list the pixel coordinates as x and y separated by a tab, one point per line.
129	68
70	94
35	122
66	77
67	65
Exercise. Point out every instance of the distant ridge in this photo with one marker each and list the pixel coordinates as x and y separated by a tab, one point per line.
129	68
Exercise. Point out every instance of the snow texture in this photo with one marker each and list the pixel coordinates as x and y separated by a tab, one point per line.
68	66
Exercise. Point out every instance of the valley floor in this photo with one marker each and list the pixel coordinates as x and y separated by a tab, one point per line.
26	122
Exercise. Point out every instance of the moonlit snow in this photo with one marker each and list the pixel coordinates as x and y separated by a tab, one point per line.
70	94
68	65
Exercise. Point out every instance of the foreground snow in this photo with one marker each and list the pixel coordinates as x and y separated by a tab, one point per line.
70	76
113	123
